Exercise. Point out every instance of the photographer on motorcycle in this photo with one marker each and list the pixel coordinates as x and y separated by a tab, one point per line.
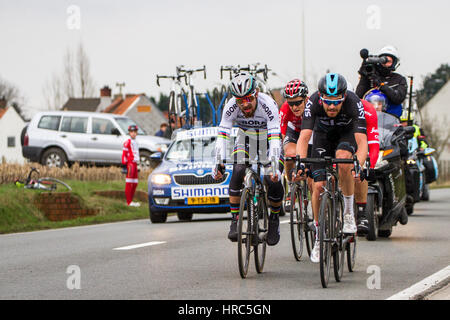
379	74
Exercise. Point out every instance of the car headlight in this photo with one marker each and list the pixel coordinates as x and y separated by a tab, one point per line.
161	178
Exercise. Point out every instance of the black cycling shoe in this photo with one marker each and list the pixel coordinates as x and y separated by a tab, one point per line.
273	234
403	219
233	235
363	227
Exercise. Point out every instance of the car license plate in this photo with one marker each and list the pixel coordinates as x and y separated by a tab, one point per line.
203	200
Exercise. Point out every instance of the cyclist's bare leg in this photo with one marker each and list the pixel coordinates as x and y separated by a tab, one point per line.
361	188
346	179
317	189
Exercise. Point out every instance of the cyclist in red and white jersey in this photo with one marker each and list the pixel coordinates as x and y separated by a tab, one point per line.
291	113
361	187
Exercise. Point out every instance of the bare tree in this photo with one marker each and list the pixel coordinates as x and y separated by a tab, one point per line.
75	80
437	132
85	81
11	94
54	94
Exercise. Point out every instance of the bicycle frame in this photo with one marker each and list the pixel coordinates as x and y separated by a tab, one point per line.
176	92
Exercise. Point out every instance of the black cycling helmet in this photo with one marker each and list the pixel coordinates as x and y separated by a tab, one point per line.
333	84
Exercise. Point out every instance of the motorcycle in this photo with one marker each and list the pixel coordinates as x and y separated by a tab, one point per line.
431	171
414	176
387	186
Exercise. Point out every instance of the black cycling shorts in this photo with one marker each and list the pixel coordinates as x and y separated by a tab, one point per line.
291	136
275	190
326	145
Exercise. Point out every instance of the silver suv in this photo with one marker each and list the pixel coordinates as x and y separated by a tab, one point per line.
58	137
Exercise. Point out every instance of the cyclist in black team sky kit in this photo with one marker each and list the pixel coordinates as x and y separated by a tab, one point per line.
253	112
337	118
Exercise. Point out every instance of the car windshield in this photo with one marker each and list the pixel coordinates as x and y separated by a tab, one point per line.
387	125
194	149
124	123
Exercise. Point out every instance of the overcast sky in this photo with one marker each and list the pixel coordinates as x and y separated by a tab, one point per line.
131	41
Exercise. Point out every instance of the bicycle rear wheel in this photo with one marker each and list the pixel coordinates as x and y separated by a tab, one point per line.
48	183
261	227
296	221
339	248
244	232
325	222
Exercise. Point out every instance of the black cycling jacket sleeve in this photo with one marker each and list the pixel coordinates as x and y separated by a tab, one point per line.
396	90
309	115
362	87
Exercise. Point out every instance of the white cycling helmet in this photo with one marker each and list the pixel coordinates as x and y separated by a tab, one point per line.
242	84
393	53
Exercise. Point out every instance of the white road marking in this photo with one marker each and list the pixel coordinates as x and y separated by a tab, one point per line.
285	221
422	286
141	245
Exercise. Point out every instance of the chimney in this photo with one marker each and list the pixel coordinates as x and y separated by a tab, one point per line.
3	102
105	92
105	98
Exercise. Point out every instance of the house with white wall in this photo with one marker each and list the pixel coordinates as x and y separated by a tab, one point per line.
11	125
437	110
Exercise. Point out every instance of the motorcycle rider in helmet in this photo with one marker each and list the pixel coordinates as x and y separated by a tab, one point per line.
392	84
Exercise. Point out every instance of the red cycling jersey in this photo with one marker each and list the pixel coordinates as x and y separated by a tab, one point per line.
288	119
372	132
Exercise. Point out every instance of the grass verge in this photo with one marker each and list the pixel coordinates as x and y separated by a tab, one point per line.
19	214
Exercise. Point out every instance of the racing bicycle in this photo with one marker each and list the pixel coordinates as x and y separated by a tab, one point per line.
333	242
46	183
253	220
192	103
176	97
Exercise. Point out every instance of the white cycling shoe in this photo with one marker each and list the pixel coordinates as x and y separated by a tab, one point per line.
315	253
134	204
349	223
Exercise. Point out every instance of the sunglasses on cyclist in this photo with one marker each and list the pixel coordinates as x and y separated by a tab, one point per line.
334	102
295	103
248	99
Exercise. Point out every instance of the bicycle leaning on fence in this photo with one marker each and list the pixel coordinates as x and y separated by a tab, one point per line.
45	183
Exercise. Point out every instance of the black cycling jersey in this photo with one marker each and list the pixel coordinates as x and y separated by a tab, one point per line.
350	118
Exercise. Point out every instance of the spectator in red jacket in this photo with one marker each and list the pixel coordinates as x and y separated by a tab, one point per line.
130	158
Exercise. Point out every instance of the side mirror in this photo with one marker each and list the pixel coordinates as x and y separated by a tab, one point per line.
115	131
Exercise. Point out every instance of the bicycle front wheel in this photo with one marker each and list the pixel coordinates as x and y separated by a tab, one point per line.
261	226
325	228
48	183
297	221
338	247
245	231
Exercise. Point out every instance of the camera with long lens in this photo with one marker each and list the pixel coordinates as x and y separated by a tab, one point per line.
370	62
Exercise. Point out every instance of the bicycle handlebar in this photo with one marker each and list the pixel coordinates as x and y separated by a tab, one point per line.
177	77
180	69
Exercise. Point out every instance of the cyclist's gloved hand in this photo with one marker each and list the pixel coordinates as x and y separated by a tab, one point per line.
218	171
277	176
124	169
301	170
